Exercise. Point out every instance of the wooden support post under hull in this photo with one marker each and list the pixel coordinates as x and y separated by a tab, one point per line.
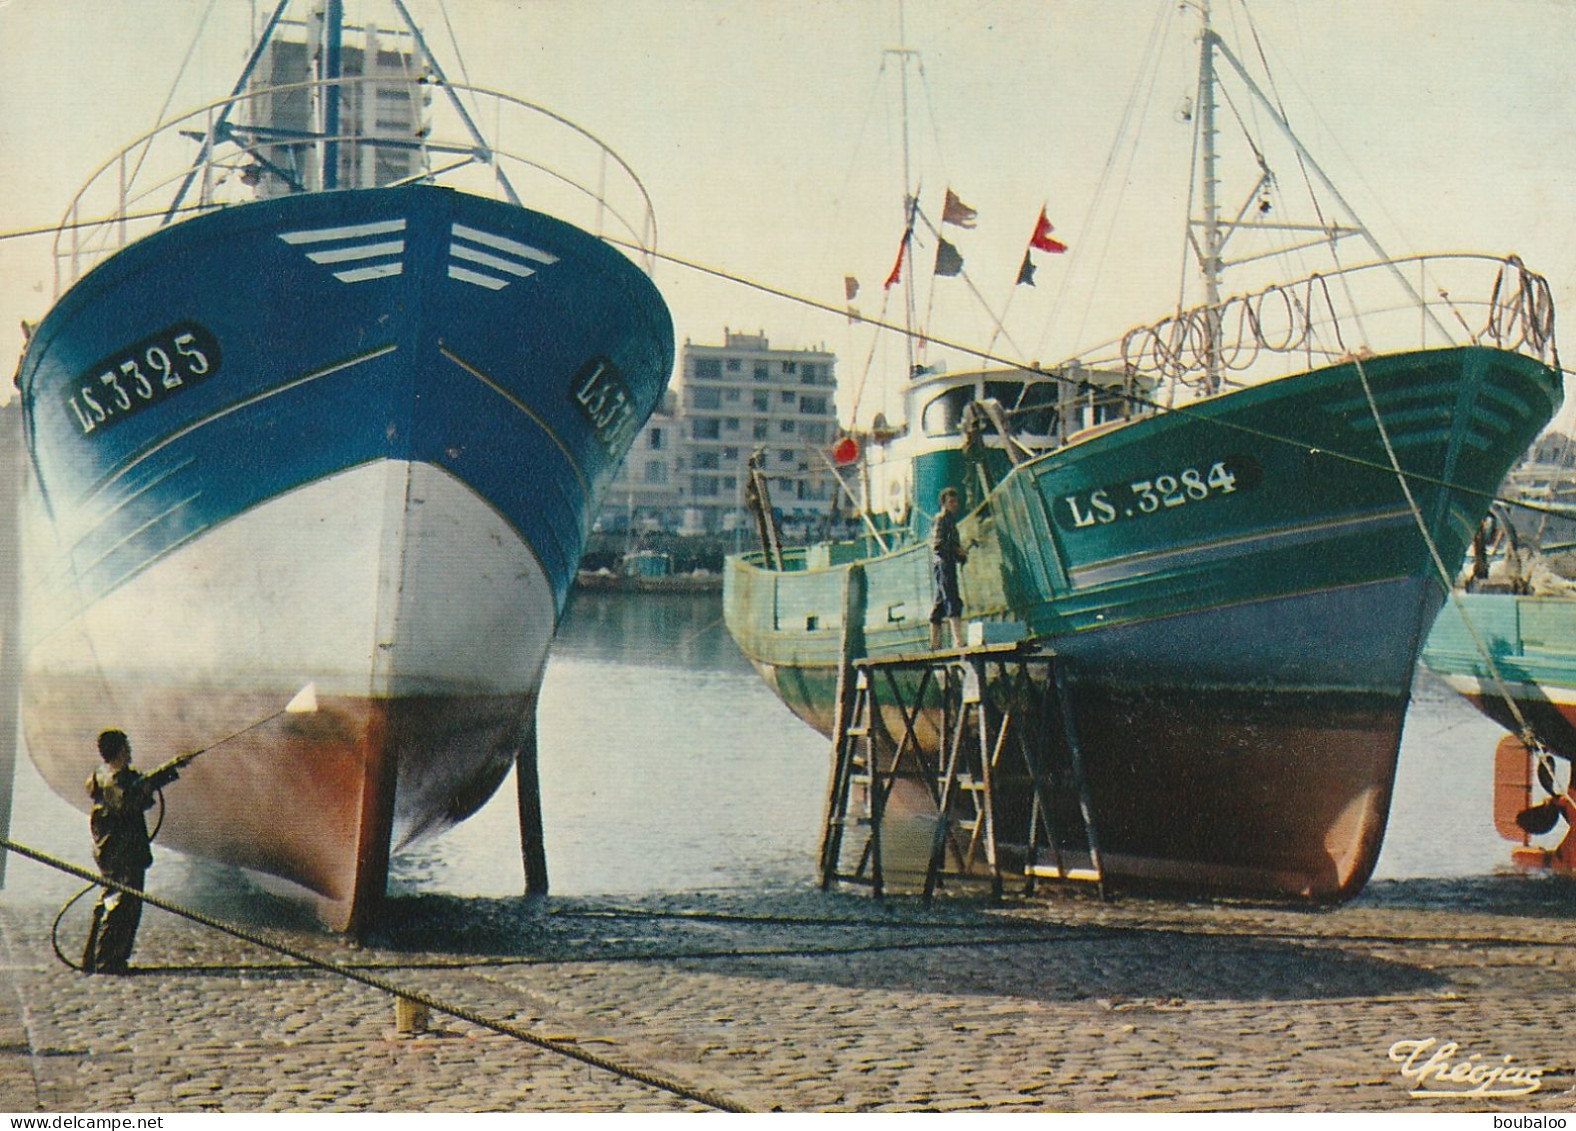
533	850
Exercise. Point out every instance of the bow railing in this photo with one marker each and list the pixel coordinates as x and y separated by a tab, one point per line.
1446	300
236	150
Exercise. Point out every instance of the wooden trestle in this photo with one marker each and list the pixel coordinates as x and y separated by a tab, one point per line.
1000	777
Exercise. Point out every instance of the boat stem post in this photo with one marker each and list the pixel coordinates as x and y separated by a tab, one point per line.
533	852
757	496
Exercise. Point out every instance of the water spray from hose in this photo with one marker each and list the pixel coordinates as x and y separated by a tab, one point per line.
303	702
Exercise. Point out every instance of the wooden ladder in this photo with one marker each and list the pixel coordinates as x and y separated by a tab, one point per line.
853	762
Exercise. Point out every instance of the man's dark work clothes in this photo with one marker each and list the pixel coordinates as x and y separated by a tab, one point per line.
946	551
121	798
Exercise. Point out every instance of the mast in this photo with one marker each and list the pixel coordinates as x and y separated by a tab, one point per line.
333	34
904	53
1214	234
1209	257
205	154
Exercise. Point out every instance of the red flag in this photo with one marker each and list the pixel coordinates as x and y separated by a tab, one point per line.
897	268
954	211
1042	236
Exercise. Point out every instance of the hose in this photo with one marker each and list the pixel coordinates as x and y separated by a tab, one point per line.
548	1044
54	929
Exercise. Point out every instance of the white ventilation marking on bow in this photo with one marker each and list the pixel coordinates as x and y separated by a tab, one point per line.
495	268
356	242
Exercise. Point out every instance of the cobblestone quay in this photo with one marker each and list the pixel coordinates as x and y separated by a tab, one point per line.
802	1001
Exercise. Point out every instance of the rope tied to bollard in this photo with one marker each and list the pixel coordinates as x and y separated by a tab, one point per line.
547	1044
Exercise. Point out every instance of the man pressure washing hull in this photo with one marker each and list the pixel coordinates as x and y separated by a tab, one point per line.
121	798
121	843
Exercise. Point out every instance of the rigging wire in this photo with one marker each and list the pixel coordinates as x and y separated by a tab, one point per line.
1159	33
842	195
1297	259
73	225
459	56
1133	398
1280	106
174	85
1525	732
864	375
1000	330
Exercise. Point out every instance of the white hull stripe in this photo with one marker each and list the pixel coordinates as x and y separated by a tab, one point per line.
467	276
348	232
357	251
362	274
1551	693
361	242
503	262
499	243
1135	565
462	252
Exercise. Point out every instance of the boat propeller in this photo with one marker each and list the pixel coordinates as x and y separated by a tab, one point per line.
1541	818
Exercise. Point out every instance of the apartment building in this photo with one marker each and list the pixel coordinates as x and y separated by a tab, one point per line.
646	493
686	470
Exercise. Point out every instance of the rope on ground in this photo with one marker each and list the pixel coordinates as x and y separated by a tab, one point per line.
615	912
661	1083
1032	931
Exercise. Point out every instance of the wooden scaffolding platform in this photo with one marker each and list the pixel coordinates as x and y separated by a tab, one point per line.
988	733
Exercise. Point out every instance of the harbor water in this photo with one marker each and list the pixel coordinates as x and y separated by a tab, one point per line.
667	766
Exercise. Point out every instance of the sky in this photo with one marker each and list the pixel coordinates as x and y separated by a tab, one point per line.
769	137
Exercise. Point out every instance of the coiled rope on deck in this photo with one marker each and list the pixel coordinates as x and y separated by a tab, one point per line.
661	1083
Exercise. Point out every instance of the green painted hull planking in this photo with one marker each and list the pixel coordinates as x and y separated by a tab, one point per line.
1240	586
1532	641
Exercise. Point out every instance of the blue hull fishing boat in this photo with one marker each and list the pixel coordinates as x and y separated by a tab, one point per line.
343	416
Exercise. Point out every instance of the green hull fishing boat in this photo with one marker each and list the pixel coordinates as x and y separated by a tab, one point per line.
1507	643
1235	531
1530	640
